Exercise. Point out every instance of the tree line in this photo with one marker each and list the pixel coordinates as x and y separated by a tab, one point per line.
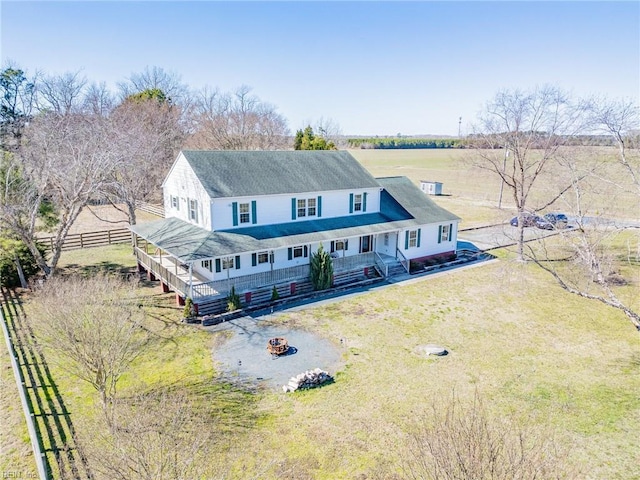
66	142
383	143
404	142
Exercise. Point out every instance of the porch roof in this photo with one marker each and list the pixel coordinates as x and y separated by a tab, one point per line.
402	205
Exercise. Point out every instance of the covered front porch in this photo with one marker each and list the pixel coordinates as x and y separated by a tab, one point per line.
205	266
181	278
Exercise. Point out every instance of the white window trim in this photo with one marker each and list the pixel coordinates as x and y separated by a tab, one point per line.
193	209
313	208
445	234
357	204
247	213
413	238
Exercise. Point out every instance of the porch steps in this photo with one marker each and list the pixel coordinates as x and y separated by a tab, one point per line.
396	269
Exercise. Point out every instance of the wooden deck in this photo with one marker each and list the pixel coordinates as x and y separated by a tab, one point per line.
176	277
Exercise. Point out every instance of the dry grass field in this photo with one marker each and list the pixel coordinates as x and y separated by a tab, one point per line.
473	194
563	367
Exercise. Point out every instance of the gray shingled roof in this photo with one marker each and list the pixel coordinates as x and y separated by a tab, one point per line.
252	173
415	201
402	205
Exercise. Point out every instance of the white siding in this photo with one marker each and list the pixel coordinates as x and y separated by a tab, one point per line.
429	244
387	247
183	184
276	209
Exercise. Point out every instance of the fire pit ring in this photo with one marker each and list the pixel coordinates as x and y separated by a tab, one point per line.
277	346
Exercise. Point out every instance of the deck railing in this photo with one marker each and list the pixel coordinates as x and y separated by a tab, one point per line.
255	280
384	268
403	260
343	264
162	272
222	287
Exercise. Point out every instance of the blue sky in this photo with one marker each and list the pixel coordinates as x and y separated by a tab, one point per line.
375	68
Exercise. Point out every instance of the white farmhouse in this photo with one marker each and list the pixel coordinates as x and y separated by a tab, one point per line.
252	220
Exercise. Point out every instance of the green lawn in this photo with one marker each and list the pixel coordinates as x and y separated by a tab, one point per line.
565	366
529	349
15	446
556	362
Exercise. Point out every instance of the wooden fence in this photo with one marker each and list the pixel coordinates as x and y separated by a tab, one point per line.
90	239
151	208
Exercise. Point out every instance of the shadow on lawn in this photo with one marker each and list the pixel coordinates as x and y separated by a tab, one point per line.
100	267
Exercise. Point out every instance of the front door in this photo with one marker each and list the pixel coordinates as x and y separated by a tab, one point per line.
365	244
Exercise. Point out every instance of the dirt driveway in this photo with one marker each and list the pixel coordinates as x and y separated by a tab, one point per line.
244	355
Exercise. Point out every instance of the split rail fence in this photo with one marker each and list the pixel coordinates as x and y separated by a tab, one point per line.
90	239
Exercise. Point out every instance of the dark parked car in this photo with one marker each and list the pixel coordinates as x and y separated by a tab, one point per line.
533	220
528	219
558	220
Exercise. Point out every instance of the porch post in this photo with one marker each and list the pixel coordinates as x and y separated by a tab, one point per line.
191	280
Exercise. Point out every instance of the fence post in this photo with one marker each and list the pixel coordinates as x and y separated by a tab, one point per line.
109	237
81	241
39	457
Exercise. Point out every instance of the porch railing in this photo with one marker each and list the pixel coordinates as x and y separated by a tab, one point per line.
344	264
162	272
254	280
246	282
403	260
384	268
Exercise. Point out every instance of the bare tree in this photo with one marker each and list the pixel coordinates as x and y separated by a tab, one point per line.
146	135
156	78
456	441
95	325
619	119
62	94
238	121
329	129
588	260
65	161
519	136
98	100
157	436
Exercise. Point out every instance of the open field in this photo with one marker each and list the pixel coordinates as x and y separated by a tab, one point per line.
473	194
556	362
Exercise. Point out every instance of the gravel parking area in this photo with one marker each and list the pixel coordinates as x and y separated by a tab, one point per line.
245	356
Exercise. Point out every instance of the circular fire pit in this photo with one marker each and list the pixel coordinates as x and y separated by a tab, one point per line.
277	346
